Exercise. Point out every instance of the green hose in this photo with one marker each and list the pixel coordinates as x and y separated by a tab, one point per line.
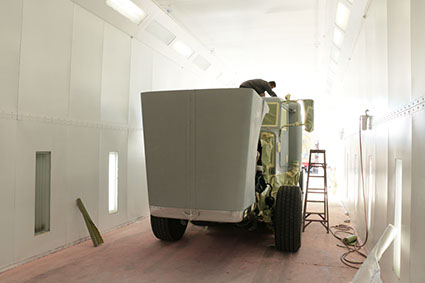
350	240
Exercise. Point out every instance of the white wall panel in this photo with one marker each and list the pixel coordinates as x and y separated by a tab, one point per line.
10	35
32	137
7	190
166	74
418	47
399	51
112	141
137	194
115	75
140	80
190	80
82	177
417	269
45	57
86	66
388	70
400	147
381	183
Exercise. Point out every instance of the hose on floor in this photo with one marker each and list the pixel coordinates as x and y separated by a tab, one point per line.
340	232
348	230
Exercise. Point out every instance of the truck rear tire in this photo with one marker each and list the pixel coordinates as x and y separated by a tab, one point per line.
168	229
287	219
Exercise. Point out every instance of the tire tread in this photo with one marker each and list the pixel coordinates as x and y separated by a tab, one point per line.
287	219
167	229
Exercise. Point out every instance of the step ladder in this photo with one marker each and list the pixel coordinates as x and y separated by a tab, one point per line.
310	216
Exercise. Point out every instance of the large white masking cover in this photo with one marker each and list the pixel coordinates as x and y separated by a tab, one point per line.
201	148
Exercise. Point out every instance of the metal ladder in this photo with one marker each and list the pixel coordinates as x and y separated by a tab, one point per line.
323	217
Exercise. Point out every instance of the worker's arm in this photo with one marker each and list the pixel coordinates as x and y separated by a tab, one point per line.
270	91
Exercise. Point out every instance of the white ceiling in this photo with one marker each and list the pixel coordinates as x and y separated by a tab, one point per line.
271	39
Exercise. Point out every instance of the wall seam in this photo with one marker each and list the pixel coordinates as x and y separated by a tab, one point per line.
16	118
20	58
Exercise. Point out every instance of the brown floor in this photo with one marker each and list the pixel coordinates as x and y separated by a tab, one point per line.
216	254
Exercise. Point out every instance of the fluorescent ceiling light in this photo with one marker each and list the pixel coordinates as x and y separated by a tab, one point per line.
201	62
128	9
342	16
335	53
160	32
338	38
183	49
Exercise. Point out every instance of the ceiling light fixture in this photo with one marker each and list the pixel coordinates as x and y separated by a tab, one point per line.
342	16
183	49
338	37
128	9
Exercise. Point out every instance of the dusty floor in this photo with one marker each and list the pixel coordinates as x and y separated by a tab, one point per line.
217	254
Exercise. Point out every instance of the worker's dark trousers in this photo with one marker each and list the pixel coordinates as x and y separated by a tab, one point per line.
260	150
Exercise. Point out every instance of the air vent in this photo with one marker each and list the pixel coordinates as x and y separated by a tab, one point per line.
201	62
160	32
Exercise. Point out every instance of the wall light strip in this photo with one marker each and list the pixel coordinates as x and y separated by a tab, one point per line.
128	9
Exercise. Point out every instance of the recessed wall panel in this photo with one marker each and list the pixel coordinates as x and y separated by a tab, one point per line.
400	148
112	141
34	137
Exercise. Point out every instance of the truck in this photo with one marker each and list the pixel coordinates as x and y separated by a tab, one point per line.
224	156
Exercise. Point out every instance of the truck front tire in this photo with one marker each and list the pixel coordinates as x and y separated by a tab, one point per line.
287	219
168	229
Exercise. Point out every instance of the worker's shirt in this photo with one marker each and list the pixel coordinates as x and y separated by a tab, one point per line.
259	85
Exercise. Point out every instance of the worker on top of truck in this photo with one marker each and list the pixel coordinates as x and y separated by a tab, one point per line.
260	86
